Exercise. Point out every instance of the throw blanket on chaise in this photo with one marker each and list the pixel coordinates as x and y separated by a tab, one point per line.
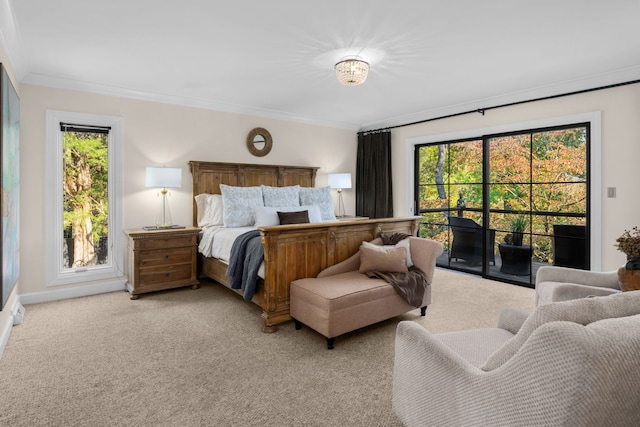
411	285
246	256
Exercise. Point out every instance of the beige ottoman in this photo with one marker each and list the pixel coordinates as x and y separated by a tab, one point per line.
335	305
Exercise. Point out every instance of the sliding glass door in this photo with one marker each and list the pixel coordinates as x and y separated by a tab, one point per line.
450	189
504	205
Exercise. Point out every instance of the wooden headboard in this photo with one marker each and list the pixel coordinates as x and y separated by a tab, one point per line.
207	177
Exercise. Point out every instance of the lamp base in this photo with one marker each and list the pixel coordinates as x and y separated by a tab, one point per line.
341	212
163	219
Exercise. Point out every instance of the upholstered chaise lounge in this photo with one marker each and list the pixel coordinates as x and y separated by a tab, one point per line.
341	299
569	363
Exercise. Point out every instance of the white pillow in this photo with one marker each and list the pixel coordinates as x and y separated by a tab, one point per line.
281	196
238	205
216	210
209	209
320	196
268	215
202	209
404	243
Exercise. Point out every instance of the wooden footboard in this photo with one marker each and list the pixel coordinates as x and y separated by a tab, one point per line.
303	250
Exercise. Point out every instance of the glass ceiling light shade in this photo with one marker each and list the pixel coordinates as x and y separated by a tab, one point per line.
164	178
352	71
339	181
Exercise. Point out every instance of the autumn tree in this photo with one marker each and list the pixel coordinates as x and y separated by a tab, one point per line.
543	173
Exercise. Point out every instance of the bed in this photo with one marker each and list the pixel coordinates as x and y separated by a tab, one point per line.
290	251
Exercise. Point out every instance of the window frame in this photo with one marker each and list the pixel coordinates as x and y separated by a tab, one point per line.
595	165
57	275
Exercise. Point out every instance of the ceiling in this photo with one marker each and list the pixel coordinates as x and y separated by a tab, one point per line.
275	58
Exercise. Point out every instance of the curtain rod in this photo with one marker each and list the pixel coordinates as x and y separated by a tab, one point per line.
483	110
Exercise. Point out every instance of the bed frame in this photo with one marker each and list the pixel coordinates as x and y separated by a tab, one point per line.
290	251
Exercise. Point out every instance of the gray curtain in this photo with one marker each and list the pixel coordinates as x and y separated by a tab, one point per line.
374	196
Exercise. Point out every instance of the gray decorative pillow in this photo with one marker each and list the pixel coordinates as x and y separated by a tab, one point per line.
239	203
281	196
320	196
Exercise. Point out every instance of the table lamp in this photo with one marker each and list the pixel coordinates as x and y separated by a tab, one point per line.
164	178
340	181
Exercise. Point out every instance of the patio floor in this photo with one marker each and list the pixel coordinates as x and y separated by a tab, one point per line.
494	270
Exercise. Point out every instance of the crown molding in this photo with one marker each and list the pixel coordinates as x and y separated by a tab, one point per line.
101	89
567	87
10	39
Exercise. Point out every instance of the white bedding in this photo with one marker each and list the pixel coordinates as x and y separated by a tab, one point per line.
216	242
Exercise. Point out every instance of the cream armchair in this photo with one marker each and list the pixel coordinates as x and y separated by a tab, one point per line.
570	363
562	284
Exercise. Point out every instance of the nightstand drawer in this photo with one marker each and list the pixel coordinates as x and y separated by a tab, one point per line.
165	242
164	257
166	274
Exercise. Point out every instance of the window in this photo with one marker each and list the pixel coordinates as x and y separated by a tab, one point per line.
480	196
84	198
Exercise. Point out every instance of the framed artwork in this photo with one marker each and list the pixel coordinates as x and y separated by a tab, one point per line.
10	202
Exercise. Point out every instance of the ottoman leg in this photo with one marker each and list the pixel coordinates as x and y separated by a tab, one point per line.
330	343
423	311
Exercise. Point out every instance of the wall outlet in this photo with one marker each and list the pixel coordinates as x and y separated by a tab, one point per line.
18	314
611	192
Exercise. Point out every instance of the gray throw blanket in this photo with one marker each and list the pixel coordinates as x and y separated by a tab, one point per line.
246	256
411	285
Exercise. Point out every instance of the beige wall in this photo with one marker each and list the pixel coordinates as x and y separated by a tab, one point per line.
156	134
160	134
620	136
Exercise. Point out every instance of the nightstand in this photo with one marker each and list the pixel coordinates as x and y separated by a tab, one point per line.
161	259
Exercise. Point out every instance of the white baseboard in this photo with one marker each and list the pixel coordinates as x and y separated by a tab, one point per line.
6	330
75	292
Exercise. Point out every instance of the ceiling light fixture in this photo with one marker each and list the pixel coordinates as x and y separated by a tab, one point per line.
352	71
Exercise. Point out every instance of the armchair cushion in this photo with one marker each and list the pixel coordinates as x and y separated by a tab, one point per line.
512	319
582	311
476	345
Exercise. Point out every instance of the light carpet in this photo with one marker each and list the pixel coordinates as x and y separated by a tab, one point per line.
198	358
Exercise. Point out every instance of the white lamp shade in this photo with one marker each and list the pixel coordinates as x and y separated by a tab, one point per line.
164	177
339	180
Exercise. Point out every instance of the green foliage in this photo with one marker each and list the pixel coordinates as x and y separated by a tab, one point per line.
518	224
85	183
